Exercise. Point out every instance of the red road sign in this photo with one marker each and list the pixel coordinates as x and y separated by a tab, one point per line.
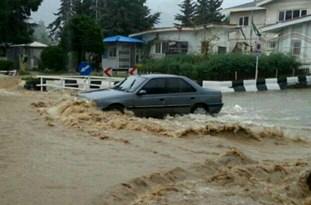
108	72
133	71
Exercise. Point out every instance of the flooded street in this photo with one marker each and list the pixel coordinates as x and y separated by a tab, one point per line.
290	109
55	150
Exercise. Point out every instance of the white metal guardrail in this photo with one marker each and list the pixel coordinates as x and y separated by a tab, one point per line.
10	72
260	85
82	83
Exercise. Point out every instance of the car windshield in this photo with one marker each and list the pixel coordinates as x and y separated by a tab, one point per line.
130	84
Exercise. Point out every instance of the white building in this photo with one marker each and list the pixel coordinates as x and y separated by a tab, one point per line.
121	52
197	40
26	55
285	26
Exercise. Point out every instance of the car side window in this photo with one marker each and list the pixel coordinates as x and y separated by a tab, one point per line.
155	86
175	85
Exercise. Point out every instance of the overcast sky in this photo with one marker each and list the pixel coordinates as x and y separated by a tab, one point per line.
168	9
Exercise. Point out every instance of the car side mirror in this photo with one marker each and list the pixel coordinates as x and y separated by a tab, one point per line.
142	92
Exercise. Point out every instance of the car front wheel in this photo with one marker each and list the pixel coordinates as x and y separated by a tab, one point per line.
116	108
200	110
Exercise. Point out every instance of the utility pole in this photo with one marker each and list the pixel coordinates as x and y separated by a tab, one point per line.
258	44
258	52
257	64
96	10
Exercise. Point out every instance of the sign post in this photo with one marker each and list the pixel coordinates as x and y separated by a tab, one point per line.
258	52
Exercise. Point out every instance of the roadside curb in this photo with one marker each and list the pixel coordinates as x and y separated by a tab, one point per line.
269	84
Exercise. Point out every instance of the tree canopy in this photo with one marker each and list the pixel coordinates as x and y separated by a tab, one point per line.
81	34
65	12
126	16
120	17
40	33
208	11
14	14
185	19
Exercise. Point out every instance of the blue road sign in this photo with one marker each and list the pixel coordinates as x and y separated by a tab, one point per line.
85	68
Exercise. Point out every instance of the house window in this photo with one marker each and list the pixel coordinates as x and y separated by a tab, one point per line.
281	16
303	12
112	52
292	14
296	48
165	47
244	21
158	47
222	50
272	44
296	14
177	47
289	15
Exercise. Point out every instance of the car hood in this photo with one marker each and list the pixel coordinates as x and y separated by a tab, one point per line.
101	94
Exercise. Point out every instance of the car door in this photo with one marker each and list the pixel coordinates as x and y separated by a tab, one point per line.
181	95
152	100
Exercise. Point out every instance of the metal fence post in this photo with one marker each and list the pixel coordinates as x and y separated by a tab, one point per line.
63	83
41	84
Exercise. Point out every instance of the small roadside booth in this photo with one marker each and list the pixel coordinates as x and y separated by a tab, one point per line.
26	55
121	52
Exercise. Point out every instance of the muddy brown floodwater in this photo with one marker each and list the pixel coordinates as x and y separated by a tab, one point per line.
57	150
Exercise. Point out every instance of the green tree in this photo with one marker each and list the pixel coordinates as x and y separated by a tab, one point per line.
53	58
14	14
41	34
214	11
208	11
85	7
65	12
187	9
124	17
201	12
114	16
81	34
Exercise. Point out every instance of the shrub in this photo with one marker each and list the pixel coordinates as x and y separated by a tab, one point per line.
53	59
6	65
223	67
32	83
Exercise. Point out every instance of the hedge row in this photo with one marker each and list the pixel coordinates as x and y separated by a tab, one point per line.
223	67
6	65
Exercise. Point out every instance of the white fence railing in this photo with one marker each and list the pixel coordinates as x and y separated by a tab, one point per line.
11	72
82	83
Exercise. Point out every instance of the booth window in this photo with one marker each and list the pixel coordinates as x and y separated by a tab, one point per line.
113	52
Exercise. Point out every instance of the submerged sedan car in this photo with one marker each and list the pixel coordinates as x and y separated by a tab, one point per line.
154	95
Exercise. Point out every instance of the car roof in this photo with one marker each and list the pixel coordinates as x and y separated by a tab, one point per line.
149	76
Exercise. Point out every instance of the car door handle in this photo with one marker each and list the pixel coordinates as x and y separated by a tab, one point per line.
162	99
192	98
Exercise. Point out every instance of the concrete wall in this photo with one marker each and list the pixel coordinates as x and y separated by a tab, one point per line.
216	36
126	56
271	14
259	17
109	61
282	38
301	32
275	7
